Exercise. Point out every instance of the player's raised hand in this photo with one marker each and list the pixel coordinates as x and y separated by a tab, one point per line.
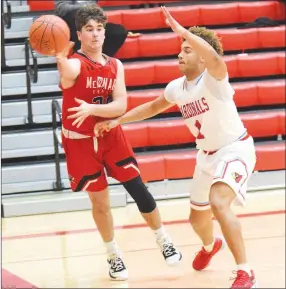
175	26
82	112
133	35
65	53
103	126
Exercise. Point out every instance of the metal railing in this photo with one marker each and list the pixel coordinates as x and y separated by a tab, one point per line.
57	119
31	75
6	20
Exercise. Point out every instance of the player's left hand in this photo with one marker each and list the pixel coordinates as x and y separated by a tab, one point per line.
105	125
175	26
133	35
82	112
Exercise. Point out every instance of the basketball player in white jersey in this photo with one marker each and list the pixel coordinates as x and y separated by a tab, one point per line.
226	156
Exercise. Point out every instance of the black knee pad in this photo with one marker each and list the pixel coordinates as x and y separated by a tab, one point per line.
140	194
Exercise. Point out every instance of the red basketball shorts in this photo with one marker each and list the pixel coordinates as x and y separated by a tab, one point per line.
86	159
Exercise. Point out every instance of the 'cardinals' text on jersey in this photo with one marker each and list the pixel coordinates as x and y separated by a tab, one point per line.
208	109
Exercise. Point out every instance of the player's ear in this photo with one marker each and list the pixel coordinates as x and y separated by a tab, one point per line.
201	59
78	35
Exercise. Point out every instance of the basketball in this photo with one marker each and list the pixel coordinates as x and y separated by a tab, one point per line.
49	35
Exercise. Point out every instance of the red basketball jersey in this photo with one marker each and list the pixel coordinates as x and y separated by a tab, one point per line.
94	84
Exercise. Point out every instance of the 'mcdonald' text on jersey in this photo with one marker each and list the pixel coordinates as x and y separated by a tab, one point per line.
100	82
194	108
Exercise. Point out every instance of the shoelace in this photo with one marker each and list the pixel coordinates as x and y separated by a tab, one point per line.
241	277
202	252
168	249
116	263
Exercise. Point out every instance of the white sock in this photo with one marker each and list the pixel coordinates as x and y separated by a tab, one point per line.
244	267
209	247
111	247
160	233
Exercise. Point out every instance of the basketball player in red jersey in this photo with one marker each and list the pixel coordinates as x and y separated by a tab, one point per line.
90	76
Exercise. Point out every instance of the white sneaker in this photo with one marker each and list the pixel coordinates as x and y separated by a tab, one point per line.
171	254
117	268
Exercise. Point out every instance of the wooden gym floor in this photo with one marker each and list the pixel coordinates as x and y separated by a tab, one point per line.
65	250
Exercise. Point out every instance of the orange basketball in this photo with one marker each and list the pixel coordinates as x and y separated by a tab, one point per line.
49	35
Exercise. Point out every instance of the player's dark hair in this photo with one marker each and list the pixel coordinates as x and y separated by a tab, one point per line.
209	36
88	12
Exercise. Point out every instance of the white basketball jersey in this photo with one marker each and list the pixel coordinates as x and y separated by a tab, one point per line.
208	109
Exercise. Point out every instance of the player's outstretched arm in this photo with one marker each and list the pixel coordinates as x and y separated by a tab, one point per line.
214	63
69	69
140	112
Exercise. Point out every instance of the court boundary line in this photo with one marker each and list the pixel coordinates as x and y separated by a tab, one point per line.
11	280
126	227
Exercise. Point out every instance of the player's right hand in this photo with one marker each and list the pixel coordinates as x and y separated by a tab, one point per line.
170	21
65	52
103	126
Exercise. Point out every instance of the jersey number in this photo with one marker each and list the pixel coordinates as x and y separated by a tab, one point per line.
102	100
198	126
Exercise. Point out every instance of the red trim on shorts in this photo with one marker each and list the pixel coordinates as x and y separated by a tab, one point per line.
241	195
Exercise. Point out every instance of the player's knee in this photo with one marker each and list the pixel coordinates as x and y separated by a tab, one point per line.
100	202
221	196
140	194
100	208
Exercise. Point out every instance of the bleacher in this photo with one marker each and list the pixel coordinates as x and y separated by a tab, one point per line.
34	176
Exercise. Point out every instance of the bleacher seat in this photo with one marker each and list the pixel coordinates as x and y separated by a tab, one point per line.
19	28
209	14
27	144
271	157
50	4
135	19
154	167
168	44
175	132
155	72
179	165
41	5
17	6
247	94
109	3
162	44
158	133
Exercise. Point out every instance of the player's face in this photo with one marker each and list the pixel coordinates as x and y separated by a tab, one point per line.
92	35
188	59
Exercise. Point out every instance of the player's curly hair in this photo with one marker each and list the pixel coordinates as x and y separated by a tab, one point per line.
209	36
88	12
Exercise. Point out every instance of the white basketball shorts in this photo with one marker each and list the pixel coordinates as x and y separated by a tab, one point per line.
232	164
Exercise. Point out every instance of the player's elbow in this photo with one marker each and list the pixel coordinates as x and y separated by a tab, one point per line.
159	105
217	67
68	75
122	107
213	59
